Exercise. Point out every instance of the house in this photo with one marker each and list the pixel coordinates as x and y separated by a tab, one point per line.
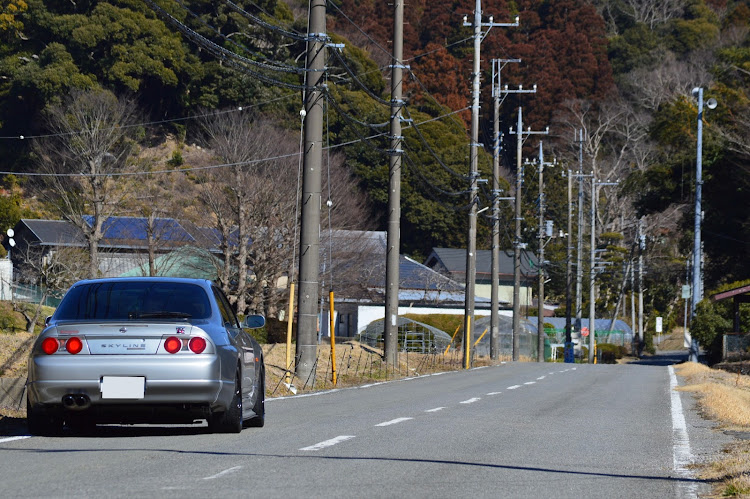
452	262
358	260
123	248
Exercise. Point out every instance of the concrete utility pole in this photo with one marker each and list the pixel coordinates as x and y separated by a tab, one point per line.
569	267
517	244
579	258
471	256
592	269
497	93
309	256
642	247
540	308
390	330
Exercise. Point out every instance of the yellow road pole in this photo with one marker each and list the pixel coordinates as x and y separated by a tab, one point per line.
482	336
467	343
333	340
452	338
289	335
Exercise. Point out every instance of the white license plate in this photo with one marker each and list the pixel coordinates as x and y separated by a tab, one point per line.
123	387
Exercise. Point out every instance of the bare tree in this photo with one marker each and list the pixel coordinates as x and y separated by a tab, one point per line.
88	147
252	202
52	272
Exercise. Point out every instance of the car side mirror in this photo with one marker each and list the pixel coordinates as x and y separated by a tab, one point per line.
47	320
254	321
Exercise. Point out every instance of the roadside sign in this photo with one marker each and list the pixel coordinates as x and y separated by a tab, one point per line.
584	331
686	291
658	325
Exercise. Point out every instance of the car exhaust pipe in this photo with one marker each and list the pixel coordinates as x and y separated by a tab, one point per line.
82	401
76	402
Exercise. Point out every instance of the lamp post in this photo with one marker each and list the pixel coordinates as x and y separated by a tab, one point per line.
697	254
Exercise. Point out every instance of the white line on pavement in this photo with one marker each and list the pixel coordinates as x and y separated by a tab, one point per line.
436	409
10	439
470	401
541	377
494	393
682	456
530	383
393	421
329	443
222	473
513	387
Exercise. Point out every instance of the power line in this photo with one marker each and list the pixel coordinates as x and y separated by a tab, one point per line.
157	122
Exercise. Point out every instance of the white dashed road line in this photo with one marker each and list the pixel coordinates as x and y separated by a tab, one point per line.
436	409
470	401
222	473
10	439
513	387
393	421
530	383
494	393
328	443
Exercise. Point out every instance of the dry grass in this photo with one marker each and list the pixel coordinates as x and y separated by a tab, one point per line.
355	364
14	352
723	397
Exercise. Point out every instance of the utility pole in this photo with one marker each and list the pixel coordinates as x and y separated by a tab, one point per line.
390	331
641	247
592	270
579	258
497	65
540	307
309	256
517	244
569	270
471	256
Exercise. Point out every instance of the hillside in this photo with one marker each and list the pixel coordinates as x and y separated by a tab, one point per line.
620	72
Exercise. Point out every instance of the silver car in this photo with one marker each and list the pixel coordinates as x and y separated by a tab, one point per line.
145	350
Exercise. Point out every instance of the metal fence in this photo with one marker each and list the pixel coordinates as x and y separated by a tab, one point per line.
735	346
34	294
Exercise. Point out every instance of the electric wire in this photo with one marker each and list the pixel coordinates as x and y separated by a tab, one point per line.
257	20
432	151
217	51
276	66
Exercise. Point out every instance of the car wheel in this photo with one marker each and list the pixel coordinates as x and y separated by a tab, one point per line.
259	408
42	423
229	421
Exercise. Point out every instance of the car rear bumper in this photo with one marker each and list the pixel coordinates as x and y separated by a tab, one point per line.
189	379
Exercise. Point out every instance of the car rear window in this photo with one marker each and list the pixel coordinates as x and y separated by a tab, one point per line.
133	300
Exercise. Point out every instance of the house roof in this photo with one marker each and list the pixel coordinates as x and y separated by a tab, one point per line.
54	232
453	260
122	233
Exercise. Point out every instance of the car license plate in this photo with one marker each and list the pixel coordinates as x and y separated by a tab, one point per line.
123	387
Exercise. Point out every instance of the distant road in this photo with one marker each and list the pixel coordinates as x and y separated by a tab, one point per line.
515	430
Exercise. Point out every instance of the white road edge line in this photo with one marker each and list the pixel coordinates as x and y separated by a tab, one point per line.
222	473
436	409
513	387
393	421
530	383
470	401
10	439
682	456
494	393
328	443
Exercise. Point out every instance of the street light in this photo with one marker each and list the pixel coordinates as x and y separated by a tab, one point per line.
697	284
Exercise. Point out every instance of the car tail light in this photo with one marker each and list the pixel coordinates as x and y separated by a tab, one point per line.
74	345
50	345
173	344
197	344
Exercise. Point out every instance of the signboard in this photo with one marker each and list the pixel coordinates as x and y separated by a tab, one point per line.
686	291
658	325
584	331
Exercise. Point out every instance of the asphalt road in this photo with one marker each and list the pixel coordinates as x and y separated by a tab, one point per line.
515	430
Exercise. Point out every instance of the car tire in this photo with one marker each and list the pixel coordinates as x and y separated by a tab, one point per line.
229	421
42	423
259	408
